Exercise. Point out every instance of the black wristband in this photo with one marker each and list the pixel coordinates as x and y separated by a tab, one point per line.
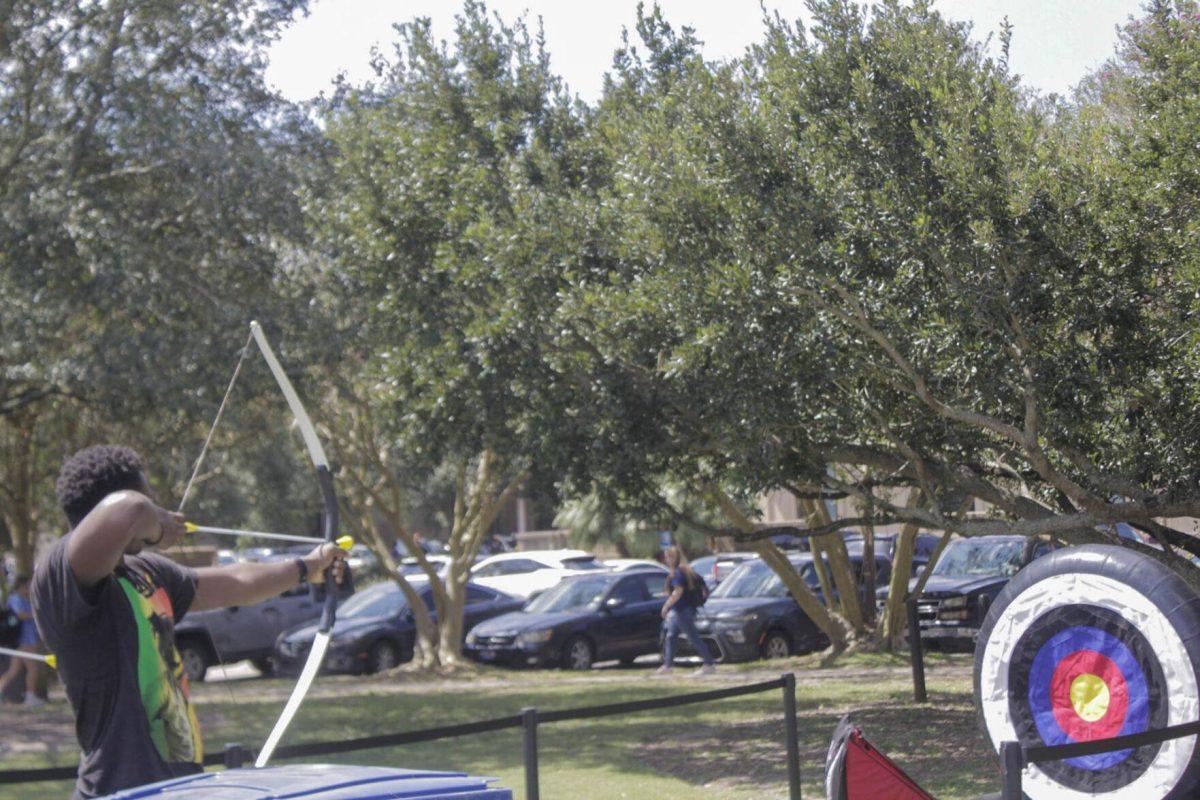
303	569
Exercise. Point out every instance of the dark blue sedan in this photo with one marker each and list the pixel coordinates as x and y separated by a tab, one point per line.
375	629
582	620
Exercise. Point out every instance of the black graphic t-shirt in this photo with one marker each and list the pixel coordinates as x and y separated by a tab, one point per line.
115	644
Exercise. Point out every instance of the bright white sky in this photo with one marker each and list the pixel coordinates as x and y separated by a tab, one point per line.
1055	42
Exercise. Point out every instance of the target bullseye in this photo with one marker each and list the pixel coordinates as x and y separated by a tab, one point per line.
1090	697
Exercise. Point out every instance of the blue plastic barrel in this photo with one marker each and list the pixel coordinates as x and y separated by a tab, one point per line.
320	782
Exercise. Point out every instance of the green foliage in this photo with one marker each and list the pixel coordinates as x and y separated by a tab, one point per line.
146	188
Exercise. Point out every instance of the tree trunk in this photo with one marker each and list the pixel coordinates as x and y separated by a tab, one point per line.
933	559
427	635
819	564
20	514
839	565
868	581
895	614
477	501
450	635
775	558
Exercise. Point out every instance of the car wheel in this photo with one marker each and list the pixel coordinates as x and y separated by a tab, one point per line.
264	665
384	656
776	645
194	657
578	654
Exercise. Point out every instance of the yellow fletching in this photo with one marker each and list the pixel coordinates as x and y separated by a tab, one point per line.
52	661
191	527
345	542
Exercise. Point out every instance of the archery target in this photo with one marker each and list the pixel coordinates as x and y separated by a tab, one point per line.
1091	643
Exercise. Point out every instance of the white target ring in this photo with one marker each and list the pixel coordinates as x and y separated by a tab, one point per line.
1086	588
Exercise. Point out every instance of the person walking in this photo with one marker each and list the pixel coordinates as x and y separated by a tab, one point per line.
27	641
685	593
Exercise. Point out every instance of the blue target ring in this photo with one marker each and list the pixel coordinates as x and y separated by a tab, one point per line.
1059	647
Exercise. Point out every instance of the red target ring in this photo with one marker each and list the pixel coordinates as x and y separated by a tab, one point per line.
1089	696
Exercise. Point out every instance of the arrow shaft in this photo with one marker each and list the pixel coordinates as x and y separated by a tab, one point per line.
281	537
5	651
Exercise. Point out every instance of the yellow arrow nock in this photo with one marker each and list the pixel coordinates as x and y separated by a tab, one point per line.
190	527
344	542
52	661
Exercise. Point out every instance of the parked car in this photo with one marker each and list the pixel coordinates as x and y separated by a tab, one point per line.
630	564
441	565
375	631
965	581
752	615
885	545
430	546
716	568
238	633
584	619
530	572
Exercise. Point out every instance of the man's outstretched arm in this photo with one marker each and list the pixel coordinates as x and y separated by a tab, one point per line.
246	584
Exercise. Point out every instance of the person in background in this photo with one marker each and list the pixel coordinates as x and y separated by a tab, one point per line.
28	641
679	611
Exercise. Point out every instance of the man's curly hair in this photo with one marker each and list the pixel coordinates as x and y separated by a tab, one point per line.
90	475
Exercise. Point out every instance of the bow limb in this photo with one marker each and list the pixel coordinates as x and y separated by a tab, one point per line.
330	523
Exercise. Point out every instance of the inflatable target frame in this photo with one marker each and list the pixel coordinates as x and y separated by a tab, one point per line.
1089	643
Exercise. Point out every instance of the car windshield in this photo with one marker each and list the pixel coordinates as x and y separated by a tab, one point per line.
757	579
384	600
569	596
978	557
582	562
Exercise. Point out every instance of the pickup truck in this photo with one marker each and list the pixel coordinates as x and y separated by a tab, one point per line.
965	581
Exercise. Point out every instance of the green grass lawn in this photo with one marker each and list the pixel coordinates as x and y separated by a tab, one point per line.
727	749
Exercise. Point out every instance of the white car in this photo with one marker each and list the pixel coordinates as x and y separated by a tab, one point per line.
531	572
631	564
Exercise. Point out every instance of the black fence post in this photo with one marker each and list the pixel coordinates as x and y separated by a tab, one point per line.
792	736
235	756
1012	762
529	725
917	652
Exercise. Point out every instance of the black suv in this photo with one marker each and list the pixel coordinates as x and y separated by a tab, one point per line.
965	581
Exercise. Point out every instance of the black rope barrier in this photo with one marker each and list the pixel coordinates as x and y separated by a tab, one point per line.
1041	753
588	712
37	775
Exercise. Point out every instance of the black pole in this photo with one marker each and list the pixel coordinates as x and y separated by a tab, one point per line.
917	651
529	723
235	756
792	736
1012	762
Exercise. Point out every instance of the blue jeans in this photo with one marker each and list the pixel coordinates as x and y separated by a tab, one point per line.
683	618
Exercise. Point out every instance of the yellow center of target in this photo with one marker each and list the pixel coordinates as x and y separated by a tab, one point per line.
1089	696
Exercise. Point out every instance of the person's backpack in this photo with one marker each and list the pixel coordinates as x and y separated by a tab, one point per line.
697	591
10	628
